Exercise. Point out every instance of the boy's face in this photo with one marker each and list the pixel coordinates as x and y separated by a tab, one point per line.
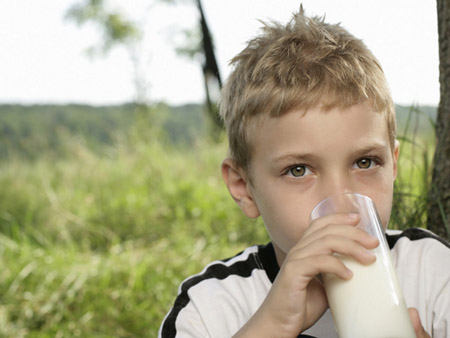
300	159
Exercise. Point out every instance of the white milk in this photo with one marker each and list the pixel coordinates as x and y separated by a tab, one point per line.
370	304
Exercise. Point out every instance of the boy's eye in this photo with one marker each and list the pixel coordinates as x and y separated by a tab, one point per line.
298	171
364	163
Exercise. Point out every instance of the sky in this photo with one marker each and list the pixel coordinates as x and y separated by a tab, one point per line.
43	55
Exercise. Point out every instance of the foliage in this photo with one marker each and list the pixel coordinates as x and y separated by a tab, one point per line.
96	237
416	136
115	27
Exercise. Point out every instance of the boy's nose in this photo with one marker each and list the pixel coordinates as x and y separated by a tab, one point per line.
337	184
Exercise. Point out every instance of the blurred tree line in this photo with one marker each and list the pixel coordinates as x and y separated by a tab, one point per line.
28	132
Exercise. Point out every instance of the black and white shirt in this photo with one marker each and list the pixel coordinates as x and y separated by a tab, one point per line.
218	301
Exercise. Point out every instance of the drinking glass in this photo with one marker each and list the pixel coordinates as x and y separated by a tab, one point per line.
370	304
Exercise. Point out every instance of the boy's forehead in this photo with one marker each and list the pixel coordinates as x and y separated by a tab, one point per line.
317	121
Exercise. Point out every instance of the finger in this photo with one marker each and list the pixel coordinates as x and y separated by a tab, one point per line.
415	320
336	218
338	231
316	296
339	224
305	269
332	244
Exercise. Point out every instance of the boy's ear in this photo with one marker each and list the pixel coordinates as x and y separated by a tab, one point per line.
395	157
239	187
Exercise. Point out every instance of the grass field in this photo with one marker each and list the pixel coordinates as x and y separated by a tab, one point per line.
95	244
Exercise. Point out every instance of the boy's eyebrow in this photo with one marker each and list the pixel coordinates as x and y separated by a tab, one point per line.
296	157
376	147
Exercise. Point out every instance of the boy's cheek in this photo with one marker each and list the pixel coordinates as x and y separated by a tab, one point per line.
286	233
383	204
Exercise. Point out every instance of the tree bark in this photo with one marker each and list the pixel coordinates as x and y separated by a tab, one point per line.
439	196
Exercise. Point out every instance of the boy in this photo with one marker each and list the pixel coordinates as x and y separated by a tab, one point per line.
308	115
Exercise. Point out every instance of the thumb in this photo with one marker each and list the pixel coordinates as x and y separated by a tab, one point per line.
415	320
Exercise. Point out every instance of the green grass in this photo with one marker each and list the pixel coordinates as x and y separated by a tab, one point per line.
417	144
95	244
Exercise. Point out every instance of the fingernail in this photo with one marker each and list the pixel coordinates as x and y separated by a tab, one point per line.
349	273
371	256
353	215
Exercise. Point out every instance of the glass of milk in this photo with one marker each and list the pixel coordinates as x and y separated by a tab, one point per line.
370	304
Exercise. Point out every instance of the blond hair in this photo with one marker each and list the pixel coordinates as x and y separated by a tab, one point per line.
302	64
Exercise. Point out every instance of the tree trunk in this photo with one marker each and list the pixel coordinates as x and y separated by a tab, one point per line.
211	75
439	198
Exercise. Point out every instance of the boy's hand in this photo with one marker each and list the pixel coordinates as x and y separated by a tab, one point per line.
418	328
297	298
